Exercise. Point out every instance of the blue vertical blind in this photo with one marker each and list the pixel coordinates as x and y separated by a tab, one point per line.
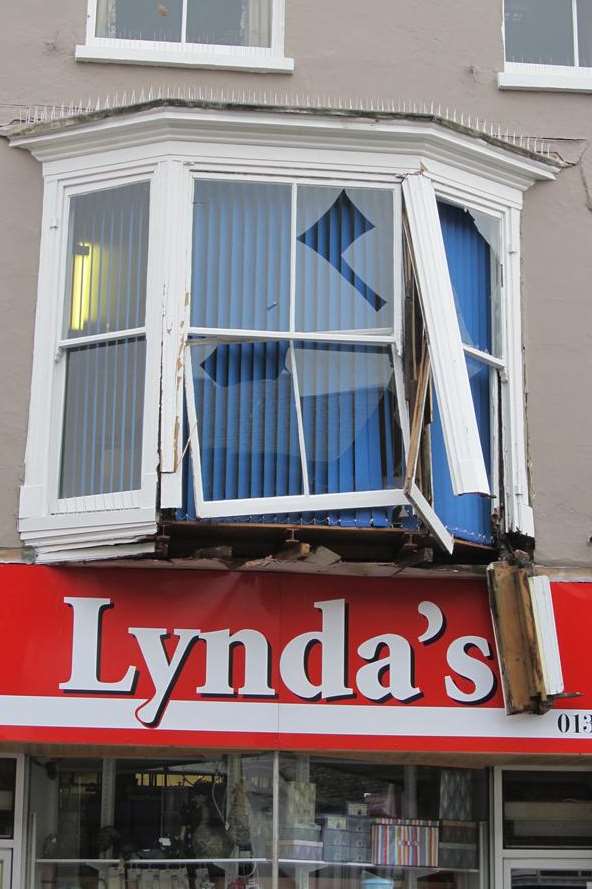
245	393
105	295
468	517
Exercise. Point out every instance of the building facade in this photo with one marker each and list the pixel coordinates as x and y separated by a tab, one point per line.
294	518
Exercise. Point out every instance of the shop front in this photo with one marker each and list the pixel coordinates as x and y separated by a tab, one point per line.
168	729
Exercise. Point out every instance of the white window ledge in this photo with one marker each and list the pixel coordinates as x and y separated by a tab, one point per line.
561	78
251	60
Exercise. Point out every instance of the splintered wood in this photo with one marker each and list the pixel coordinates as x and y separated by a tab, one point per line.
515	633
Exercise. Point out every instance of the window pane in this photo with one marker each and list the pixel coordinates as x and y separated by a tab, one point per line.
585	32
553	878
7	787
65	796
468	256
246	418
347	395
467	517
213	807
108	248
149	814
146	20
104	406
344	259
241	256
547	809
376	825
229	22
539	31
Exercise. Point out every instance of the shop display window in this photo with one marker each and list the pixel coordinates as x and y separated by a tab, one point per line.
547	809
256	821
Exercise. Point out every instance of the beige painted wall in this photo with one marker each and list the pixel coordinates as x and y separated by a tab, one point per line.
448	52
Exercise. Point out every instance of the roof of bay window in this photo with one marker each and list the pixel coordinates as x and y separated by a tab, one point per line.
52	131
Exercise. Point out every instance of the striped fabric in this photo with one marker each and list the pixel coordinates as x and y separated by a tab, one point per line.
467	517
412	842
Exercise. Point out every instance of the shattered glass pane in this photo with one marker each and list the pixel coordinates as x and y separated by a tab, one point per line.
344	259
246	420
351	434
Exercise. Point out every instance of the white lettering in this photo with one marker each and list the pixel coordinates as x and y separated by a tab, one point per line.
480	674
163	672
398	663
219	663
333	641
86	650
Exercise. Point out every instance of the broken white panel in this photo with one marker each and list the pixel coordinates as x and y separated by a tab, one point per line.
426	513
449	371
546	630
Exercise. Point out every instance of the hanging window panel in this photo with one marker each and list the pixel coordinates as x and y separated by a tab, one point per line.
104	378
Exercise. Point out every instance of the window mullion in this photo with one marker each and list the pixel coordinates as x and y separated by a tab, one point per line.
184	22
79	341
192	434
295	382
574	16
300	422
293	234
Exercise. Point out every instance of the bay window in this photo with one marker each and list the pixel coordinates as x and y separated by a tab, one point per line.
287	343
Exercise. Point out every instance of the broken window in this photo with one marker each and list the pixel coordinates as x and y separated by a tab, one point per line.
297	392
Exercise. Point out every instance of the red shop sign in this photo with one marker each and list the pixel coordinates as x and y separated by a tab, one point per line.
187	659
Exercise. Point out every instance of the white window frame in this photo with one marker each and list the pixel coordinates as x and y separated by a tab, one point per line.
171	147
125	516
189	55
449	370
531	76
505	860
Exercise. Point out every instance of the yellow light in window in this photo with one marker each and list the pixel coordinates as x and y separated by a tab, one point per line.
85	296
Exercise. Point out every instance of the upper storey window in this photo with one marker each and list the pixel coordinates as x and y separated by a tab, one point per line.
246	34
549	32
217	22
548	44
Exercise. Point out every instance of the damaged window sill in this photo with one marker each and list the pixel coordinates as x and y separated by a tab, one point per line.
545	77
217	57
